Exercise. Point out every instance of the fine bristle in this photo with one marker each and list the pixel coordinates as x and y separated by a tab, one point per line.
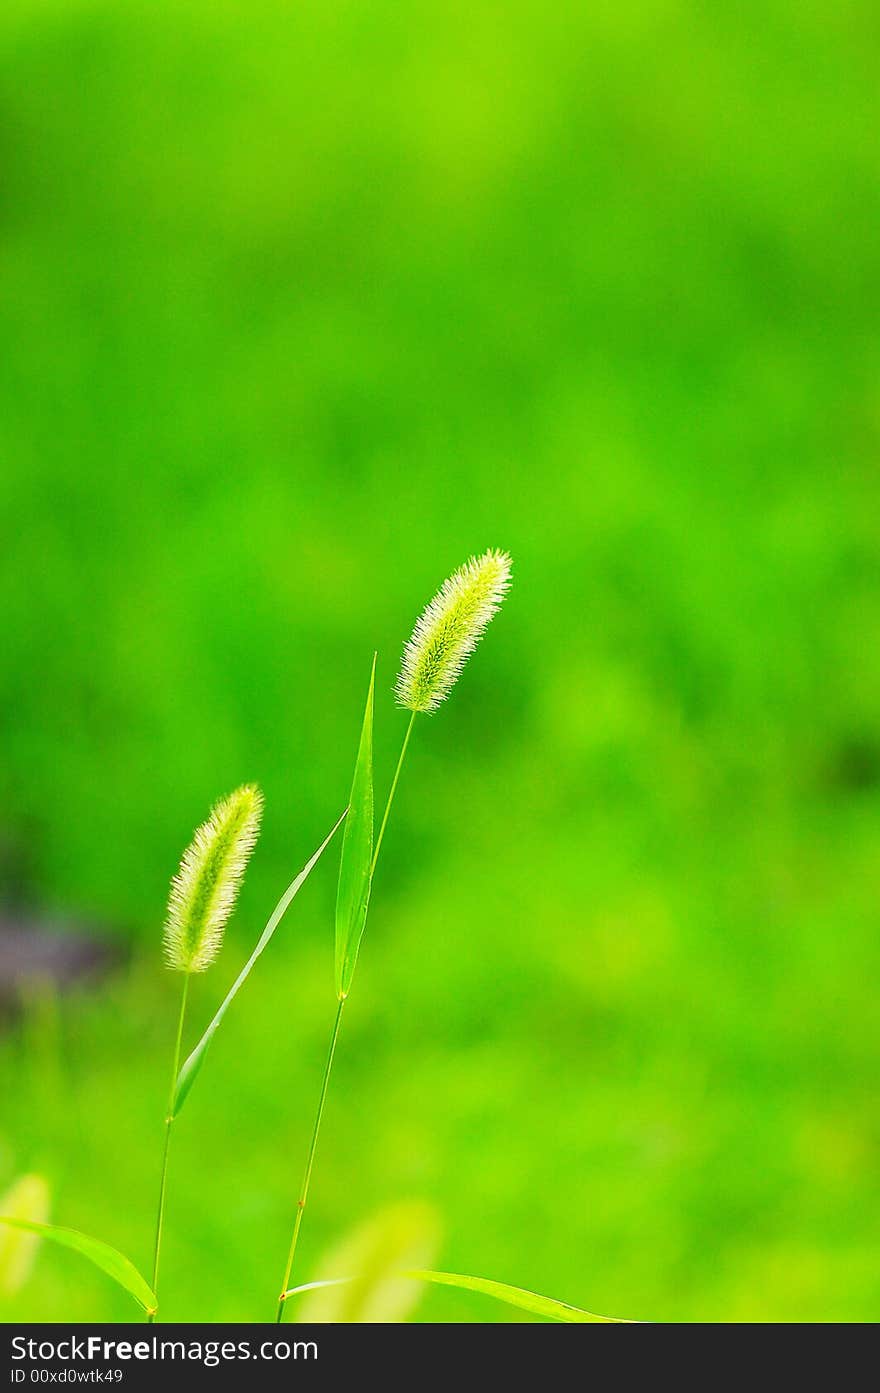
205	888
448	631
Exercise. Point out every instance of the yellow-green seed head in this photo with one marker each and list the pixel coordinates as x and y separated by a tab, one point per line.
204	890
449	630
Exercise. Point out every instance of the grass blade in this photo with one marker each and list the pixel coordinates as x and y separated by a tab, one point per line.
518	1296
512	1296
188	1073
353	891
108	1259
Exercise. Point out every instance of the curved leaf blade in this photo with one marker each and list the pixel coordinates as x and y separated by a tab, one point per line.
519	1297
193	1063
353	889
512	1296
108	1259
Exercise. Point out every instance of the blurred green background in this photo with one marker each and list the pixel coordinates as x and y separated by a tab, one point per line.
300	306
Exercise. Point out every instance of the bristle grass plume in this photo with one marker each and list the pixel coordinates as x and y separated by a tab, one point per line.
204	890
449	630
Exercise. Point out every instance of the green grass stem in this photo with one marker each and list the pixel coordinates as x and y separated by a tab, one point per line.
393	790
310	1161
313	1144
169	1122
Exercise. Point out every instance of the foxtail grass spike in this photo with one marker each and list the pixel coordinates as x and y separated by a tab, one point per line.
204	890
449	630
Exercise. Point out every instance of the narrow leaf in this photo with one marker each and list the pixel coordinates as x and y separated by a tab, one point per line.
353	890
518	1296
108	1259
188	1073
512	1296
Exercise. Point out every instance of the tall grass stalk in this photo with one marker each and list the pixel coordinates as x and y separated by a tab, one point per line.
394	782
444	636
202	898
169	1122
331	1052
334	1035
310	1160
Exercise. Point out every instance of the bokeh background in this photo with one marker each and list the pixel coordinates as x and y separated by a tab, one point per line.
300	306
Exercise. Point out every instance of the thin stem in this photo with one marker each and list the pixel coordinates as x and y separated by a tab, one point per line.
301	1203
392	792
163	1184
310	1160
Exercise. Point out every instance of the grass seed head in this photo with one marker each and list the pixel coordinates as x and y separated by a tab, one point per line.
449	630
204	890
